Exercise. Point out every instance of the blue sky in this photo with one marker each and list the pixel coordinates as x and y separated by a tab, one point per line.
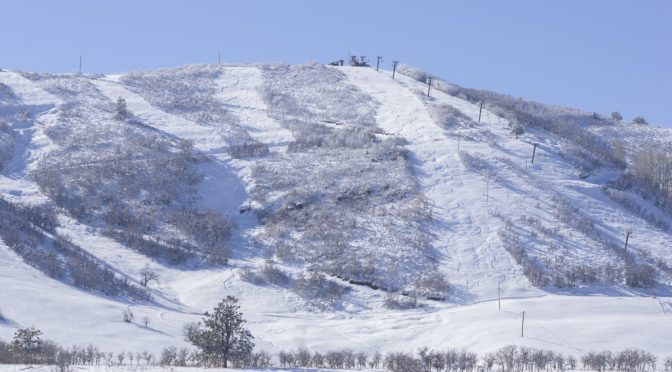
596	55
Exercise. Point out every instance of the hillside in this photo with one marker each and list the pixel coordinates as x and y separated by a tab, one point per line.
343	207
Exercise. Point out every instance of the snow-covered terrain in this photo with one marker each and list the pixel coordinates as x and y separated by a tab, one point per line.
343	171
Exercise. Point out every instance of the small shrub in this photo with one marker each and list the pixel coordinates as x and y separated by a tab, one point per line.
397	301
127	316
248	150
616	116
317	289
640	121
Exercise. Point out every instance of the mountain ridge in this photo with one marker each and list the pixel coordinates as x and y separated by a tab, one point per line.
289	185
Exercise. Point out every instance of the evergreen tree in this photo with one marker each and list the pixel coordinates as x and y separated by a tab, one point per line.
121	111
223	335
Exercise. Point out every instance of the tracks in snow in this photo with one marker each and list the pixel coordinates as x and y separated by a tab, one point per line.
436	162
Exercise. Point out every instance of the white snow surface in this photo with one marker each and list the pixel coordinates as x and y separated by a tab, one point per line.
465	239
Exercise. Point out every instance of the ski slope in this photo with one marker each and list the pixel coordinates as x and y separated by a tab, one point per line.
465	206
465	237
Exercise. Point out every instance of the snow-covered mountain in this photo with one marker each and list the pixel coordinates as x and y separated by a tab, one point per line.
343	207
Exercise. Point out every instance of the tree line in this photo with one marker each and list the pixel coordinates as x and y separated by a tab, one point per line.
222	339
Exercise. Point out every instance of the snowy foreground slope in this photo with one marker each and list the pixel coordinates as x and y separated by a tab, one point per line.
245	180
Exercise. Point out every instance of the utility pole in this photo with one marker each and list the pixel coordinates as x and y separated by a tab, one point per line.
378	62
429	85
480	111
219	57
627	237
522	326
534	150
394	68
499	296
80	66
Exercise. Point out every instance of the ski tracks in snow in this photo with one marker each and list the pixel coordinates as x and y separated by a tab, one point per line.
436	163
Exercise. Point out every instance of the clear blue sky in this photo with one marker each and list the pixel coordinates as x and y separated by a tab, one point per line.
597	55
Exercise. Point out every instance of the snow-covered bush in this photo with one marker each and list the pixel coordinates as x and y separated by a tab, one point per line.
433	286
412	72
640	275
639	120
7	139
317	289
398	301
475	162
631	203
120	110
148	199
127	316
651	175
268	274
448	117
341	117
248	150
345	215
9	102
616	116
517	129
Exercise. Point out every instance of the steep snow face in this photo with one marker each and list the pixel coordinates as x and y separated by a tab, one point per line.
400	186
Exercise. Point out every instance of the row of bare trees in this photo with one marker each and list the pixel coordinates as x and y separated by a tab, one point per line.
28	347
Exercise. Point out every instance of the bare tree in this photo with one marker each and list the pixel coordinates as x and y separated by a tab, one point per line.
127	316
147	275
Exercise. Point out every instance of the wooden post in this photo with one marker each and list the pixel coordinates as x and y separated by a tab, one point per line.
219	57
429	85
80	65
394	68
534	150
522	326
378	62
480	111
627	237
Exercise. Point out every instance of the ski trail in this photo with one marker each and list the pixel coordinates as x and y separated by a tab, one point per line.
204	138
238	89
30	143
435	160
